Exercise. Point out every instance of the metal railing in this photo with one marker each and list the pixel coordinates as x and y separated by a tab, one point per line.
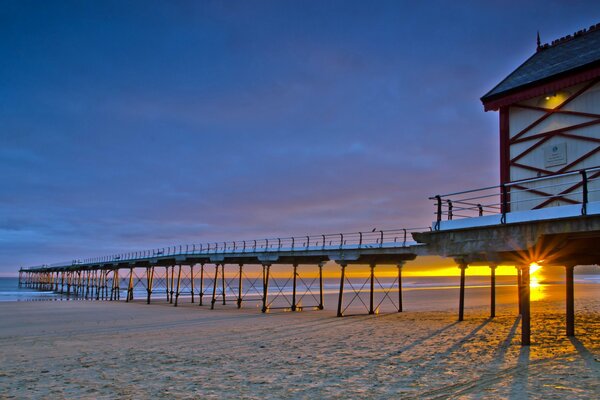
332	241
574	187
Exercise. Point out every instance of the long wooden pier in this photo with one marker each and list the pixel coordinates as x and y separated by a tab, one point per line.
199	271
567	236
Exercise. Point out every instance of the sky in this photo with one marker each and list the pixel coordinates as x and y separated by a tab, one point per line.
130	125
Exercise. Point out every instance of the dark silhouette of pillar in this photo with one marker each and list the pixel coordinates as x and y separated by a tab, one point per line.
493	291
341	295
461	300
570	300
525	307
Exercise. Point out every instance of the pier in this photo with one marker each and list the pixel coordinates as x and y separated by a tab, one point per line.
473	228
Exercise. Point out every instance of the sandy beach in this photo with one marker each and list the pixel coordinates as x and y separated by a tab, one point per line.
90	349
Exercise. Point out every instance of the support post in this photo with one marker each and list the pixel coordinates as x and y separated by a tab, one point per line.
178	285
295	267
520	290
201	292
525	312
130	287
192	282
87	283
372	289
214	292
223	283
150	277
493	291
167	282
69	283
341	294
321	303
400	308
570	300
266	271
172	291
239	299
461	301
98	283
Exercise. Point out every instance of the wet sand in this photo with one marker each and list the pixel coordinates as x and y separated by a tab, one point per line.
89	349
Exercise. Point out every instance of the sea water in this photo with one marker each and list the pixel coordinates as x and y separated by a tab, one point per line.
252	288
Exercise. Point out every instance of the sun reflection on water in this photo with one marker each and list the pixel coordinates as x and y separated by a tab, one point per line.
536	288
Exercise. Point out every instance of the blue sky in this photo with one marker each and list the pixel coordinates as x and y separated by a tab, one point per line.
129	125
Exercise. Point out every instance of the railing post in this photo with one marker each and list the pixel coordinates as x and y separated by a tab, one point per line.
480	208
504	203
584	200
439	212
449	202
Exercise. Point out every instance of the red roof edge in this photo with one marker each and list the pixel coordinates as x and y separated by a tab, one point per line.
539	90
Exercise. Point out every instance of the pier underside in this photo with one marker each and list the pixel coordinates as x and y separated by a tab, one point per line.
565	242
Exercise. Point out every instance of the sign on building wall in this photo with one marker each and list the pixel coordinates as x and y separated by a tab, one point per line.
555	155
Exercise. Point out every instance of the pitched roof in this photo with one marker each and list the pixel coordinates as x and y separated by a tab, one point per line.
564	56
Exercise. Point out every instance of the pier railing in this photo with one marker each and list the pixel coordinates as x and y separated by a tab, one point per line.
332	241
570	188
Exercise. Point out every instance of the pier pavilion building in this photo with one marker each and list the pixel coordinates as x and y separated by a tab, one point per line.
549	110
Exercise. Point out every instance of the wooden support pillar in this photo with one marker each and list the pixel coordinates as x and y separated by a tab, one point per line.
178	285
525	307
493	291
372	289
111	294
98	274
113	284
92	284
105	286
223	283
69	277
240	291
117	283
201	292
321	302
130	287
295	267
76	285
341	294
570	300
461	301
87	284
214	292
167	283
172	291
150	282
192	282
266	272
98	283
519	290
400	308
62	282
55	282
